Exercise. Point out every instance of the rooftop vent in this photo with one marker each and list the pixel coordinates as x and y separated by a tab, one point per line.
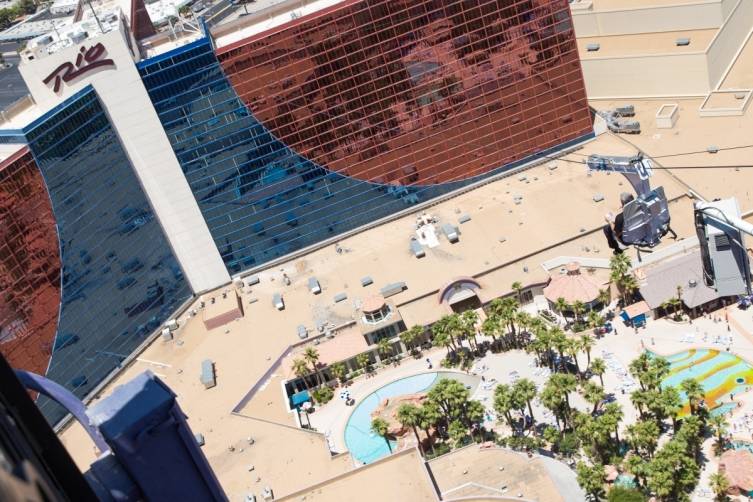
681	42
593	47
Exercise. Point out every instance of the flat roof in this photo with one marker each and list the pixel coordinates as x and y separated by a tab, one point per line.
268	15
476	472
401	476
645	44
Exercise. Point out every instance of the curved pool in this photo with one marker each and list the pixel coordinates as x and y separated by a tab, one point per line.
720	374
364	445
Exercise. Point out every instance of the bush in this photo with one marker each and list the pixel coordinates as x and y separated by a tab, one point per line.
323	395
621	494
439	449
568	445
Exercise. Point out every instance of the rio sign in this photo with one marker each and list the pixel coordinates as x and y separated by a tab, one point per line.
87	60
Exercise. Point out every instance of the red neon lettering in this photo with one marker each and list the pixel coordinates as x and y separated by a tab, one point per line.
69	71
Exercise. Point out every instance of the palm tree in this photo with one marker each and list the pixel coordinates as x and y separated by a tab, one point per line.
384	347
311	355
561	306
694	391
605	297
409	337
442	339
719	484
591	479
518	287
469	319
408	416
594	319
380	427
525	391
578	308
338	371
629	286
619	265
560	343
675	304
593	394
718	425
565	384
427	416
504	403
586	344
363	360
598	367
301	370
444	329
671	404
572	348
613	416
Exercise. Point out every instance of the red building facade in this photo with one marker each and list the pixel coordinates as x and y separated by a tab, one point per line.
29	265
416	91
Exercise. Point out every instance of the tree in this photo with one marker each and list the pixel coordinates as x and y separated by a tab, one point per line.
586	344
311	355
468	320
578	308
594	319
598	367
622	494
518	288
672	404
443	332
619	266
363	360
504	403
591	479
301	370
457	432
524	390
719	484
565	384
694	392
380	427
605	297
643	437
629	285
26	6
672	473
384	347
612	417
450	396
409	337
560	343
593	394
409	416
572	348
338	371
718	426
428	415
561	306
475	413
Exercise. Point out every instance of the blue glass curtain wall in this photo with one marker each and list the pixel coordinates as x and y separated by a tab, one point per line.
120	280
261	200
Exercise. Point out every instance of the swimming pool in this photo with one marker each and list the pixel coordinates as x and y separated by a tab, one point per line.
720	374
364	445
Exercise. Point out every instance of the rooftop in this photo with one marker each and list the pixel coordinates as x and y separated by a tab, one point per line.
268	15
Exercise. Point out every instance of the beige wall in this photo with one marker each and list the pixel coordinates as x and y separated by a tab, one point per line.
696	16
655	75
134	119
731	38
660	75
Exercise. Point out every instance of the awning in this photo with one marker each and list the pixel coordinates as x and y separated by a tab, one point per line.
299	398
637	309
